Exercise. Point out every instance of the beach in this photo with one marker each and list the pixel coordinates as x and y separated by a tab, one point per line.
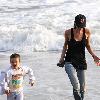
35	29
52	82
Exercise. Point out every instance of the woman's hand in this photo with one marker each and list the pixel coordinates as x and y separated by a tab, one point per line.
96	60
61	63
98	64
61	60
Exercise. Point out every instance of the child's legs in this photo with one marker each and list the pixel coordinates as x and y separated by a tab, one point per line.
15	96
11	96
19	96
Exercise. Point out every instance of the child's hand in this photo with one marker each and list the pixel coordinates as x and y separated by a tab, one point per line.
7	92
32	83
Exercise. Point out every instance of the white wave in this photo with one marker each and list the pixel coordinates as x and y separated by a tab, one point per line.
20	39
39	25
54	1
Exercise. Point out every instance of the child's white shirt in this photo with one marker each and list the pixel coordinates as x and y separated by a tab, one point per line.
15	77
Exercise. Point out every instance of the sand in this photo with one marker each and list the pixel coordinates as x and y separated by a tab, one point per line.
52	82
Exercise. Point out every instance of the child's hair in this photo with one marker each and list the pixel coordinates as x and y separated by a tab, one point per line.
15	55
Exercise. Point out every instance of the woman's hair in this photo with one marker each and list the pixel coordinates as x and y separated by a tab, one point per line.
80	21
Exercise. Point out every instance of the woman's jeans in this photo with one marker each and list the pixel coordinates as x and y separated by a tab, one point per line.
77	77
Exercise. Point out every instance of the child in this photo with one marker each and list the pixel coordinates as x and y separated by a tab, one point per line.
14	78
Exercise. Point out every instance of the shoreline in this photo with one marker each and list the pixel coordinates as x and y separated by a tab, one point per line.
52	82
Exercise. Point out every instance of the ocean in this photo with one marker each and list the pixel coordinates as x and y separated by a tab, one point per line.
39	25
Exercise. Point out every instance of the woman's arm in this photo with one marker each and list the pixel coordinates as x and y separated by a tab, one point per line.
96	59
64	47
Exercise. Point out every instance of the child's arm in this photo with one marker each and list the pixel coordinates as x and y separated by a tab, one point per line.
6	87
3	82
31	76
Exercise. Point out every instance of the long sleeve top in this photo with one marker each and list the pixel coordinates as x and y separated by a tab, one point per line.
14	78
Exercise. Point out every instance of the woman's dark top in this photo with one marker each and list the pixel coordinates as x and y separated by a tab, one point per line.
76	52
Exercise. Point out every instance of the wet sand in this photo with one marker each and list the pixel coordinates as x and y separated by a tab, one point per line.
52	82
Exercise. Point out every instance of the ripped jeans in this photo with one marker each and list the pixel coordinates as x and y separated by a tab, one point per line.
77	77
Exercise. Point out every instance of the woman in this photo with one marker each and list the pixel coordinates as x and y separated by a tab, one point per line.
73	54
